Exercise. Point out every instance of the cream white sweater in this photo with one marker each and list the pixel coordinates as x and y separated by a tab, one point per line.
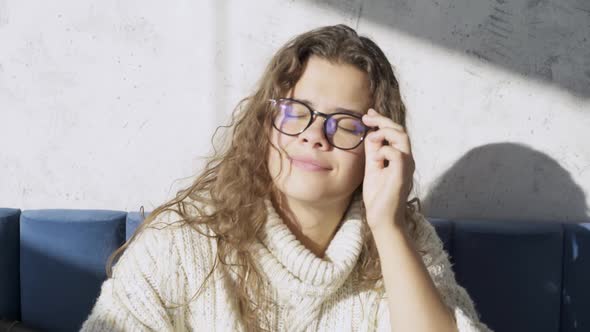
167	266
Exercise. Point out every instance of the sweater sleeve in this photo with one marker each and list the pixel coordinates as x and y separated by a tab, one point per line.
131	299
454	295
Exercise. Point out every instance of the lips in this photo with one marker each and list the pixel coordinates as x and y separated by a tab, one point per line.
310	164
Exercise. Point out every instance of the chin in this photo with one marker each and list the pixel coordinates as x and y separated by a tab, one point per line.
304	191
305	195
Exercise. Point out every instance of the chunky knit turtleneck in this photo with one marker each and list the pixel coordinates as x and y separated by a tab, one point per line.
302	279
164	268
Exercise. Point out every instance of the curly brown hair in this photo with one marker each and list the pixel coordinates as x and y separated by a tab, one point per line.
236	180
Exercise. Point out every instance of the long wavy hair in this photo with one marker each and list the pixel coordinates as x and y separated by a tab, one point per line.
236	179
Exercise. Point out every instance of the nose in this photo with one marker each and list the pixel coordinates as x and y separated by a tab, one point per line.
314	135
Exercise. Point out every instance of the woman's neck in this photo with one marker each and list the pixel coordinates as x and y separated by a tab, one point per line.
314	225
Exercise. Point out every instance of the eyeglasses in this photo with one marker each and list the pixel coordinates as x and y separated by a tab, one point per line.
343	130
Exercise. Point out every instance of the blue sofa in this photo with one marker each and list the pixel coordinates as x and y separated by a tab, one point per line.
523	276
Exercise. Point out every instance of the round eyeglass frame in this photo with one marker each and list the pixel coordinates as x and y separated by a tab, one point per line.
314	114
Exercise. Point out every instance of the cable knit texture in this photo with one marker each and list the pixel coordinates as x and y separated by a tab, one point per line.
163	268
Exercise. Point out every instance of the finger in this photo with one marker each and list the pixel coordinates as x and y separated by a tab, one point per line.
385	154
374	119
395	138
388	153
371	148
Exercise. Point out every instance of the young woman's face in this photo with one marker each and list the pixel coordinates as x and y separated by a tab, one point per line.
325	87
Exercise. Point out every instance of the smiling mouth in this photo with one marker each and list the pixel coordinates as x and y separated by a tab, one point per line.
308	166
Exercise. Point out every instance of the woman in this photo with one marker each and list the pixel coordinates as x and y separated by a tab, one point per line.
302	221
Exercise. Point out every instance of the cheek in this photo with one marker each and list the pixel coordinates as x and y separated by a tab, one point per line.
360	166
354	164
273	156
280	142
359	155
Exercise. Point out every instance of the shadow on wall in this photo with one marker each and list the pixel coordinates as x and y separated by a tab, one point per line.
507	181
547	40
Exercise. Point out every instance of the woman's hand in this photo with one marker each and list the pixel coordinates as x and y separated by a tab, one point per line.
386	186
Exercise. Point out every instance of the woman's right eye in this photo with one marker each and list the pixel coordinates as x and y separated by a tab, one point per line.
291	111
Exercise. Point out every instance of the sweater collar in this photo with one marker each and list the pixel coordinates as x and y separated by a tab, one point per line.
295	270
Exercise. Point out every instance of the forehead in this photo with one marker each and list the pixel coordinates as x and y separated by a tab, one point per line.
329	85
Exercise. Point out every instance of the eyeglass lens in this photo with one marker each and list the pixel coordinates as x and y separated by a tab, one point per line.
342	130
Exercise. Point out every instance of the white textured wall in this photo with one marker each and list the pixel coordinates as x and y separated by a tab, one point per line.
108	104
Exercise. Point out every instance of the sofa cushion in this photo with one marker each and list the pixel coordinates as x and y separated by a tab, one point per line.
63	258
512	270
134	219
575	310
9	264
15	326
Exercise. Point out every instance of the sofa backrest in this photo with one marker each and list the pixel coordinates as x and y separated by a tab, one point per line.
525	276
522	276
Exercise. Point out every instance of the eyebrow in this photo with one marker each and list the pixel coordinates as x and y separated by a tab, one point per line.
338	109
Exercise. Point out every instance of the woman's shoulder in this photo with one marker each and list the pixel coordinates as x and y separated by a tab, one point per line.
172	251
425	235
179	228
428	242
171	233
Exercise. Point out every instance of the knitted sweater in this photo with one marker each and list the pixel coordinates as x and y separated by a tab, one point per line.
166	266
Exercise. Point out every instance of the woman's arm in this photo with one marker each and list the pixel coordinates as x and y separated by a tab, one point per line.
414	303
423	294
